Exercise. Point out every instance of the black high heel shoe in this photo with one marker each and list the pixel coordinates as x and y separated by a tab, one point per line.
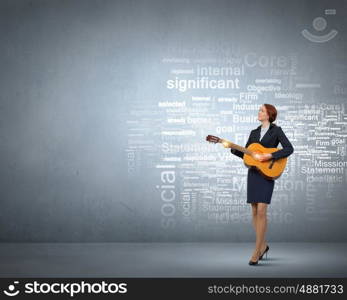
265	252
252	263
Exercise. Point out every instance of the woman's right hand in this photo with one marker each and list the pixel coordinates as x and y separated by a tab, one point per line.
255	156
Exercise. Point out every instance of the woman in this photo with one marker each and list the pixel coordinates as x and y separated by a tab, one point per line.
259	189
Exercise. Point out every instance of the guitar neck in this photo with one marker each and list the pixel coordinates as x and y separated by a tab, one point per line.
237	147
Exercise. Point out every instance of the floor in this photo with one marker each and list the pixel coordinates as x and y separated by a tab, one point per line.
170	260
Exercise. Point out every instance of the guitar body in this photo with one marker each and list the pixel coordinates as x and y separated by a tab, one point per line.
270	169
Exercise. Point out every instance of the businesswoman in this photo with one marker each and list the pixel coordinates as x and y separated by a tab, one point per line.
259	189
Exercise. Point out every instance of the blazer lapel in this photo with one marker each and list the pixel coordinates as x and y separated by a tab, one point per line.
267	133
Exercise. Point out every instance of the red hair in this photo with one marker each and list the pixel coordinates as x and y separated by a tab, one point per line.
271	111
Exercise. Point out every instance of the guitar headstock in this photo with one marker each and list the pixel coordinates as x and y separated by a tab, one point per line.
213	139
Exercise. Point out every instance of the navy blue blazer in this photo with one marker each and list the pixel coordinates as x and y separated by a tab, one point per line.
273	136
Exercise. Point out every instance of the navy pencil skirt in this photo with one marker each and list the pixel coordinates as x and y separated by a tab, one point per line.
259	189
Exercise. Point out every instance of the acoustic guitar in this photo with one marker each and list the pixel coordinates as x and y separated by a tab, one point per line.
270	169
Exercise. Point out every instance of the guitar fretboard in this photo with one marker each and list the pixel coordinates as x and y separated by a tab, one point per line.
237	147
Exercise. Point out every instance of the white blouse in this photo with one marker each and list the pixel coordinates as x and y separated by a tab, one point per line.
263	131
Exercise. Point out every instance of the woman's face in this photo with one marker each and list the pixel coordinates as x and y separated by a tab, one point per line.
262	114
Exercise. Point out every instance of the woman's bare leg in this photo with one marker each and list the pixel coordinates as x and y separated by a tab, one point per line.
254	216
264	243
261	223
254	221
261	227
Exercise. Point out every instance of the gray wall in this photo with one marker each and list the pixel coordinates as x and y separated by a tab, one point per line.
97	145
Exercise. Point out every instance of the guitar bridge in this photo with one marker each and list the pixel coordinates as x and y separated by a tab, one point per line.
272	163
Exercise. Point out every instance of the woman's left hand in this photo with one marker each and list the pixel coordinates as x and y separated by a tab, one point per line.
225	144
265	156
